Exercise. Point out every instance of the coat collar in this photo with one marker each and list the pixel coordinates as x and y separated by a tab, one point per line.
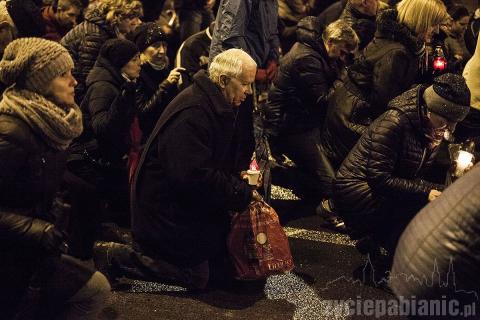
388	27
212	91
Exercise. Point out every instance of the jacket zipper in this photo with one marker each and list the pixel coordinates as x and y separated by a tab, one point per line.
421	162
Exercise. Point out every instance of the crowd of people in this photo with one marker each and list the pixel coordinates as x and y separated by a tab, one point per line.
146	114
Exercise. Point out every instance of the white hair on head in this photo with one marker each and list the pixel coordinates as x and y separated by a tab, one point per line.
229	63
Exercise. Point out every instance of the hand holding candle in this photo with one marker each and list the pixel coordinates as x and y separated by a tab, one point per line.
464	162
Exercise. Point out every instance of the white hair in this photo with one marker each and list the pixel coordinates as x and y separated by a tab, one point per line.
229	63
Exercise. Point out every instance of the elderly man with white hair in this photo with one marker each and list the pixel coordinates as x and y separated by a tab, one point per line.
185	184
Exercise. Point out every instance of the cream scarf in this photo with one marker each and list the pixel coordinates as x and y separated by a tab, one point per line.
56	125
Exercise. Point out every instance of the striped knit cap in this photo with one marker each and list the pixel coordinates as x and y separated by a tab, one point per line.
32	63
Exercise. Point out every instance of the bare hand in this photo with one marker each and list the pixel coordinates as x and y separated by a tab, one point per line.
256	196
434	194
174	75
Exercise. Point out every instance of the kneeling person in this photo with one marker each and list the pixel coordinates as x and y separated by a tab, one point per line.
185	184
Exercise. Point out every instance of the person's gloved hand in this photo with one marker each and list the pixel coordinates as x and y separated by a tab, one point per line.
50	239
272	69
53	240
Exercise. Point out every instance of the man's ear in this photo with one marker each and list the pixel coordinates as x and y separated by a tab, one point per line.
223	81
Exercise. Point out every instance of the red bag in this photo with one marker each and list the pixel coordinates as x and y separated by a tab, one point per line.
257	244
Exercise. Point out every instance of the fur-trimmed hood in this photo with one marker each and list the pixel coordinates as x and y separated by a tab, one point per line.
389	28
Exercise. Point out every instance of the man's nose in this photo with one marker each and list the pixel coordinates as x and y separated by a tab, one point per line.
249	89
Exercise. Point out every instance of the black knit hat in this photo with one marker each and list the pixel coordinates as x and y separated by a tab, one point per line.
118	51
147	34
448	97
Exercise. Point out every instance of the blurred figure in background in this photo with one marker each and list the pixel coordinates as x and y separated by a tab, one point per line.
290	12
456	49
193	55
194	16
61	19
157	86
98	158
109	19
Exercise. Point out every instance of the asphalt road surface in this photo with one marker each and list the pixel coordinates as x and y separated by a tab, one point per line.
319	288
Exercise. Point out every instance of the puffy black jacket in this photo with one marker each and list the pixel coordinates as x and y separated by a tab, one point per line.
108	109
385	167
346	120
185	183
298	100
441	244
387	68
389	65
84	43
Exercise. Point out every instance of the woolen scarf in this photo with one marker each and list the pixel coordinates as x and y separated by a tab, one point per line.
56	125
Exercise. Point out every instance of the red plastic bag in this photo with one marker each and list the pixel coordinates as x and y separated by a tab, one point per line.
257	244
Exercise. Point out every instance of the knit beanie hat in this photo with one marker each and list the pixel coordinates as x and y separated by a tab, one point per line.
147	34
32	63
448	97
118	51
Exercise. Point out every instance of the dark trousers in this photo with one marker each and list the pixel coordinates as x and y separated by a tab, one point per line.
304	150
130	261
96	196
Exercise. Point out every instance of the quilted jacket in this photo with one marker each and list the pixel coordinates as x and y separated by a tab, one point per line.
385	167
84	43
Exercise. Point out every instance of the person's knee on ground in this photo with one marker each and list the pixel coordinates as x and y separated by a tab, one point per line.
116	260
89	300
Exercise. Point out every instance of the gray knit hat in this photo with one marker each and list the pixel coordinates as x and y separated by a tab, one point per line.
448	97
33	63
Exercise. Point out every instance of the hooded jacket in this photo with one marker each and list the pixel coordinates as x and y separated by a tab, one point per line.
108	109
389	65
298	100
84	42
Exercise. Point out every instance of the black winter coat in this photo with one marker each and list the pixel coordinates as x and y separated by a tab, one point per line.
185	184
385	167
389	65
108	109
30	174
298	100
84	43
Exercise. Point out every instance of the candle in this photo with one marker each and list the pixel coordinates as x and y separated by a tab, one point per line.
464	159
